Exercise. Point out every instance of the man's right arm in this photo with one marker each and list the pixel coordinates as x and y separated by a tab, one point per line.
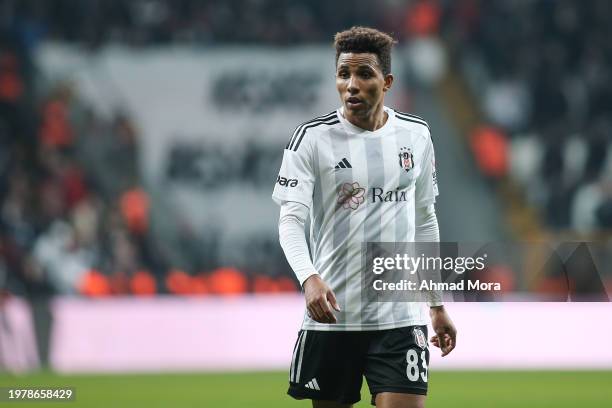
318	295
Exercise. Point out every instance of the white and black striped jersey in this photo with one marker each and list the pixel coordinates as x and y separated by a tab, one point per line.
361	186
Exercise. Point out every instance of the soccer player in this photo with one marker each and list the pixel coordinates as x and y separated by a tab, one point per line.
338	169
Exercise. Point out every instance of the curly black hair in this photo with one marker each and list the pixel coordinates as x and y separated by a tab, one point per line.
366	39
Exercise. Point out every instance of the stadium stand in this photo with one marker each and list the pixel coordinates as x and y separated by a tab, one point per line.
71	222
546	88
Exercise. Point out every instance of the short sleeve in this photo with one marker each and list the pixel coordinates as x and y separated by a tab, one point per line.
427	183
295	181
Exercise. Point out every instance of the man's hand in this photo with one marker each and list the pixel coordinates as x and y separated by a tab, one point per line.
446	333
319	300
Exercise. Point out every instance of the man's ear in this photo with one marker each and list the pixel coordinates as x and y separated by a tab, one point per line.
388	82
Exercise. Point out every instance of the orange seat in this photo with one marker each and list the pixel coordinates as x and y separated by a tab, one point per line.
178	282
94	284
228	281
490	148
143	283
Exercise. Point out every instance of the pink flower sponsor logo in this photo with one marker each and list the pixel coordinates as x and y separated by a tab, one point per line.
351	195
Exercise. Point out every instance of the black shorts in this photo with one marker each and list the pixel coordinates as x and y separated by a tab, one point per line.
330	365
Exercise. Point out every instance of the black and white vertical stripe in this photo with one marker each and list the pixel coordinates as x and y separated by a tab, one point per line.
295	141
298	355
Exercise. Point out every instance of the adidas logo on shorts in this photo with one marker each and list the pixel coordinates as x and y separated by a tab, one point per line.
313	385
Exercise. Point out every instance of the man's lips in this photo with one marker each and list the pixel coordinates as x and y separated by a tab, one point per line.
352	101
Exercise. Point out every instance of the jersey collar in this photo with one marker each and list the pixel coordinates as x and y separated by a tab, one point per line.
368	133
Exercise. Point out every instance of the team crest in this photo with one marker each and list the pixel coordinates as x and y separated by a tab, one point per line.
419	337
406	160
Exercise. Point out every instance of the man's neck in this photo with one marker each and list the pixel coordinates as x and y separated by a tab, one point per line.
371	122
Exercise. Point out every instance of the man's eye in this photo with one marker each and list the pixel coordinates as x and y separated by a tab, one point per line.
366	75
343	74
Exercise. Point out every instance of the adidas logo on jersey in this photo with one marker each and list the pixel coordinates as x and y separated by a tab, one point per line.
343	164
313	385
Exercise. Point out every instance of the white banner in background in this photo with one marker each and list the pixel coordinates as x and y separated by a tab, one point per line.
213	122
204	335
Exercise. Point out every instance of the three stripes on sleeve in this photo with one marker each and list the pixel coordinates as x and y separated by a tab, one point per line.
294	143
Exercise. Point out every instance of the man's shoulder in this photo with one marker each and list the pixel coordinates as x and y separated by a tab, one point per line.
412	122
306	129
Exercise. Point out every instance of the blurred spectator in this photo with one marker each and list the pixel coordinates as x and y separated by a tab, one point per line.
64	262
591	207
55	130
135	210
507	103
11	84
427	60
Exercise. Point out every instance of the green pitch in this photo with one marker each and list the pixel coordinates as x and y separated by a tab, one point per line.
267	390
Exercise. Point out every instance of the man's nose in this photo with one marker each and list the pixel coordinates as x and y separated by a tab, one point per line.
353	87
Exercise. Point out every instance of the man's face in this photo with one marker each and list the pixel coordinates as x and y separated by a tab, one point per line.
361	83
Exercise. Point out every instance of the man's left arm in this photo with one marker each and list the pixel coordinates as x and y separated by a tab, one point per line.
427	230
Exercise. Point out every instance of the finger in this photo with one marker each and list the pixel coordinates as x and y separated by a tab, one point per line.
314	312
332	299
451	346
322	318
452	343
324	309
442	341
311	313
453	335
448	345
327	311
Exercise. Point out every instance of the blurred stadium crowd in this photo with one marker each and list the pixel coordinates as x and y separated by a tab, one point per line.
541	71
70	193
71	199
152	22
